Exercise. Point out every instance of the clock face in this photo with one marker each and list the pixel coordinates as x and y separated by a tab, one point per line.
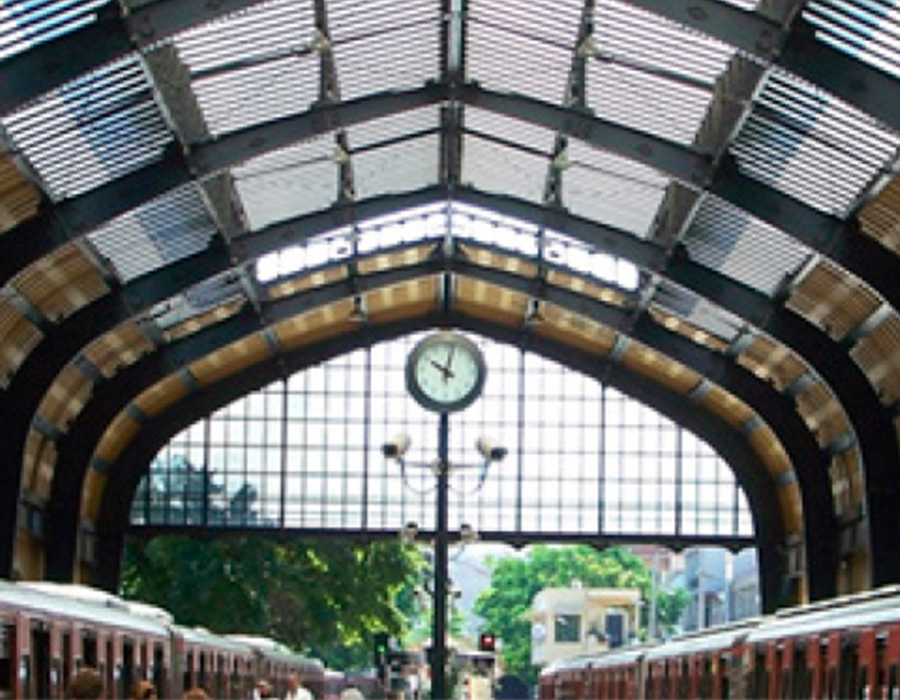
445	372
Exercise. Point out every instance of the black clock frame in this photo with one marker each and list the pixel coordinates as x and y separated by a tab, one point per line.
444	338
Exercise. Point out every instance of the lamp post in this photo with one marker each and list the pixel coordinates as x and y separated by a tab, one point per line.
445	373
489	453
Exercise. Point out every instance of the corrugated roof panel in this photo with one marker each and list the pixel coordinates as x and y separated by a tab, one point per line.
645	101
868	30
400	167
611	189
241	98
521	133
265	31
811	145
288	182
523	47
387	46
727	239
493	167
92	130
697	311
393	126
24	25
160	232
636	37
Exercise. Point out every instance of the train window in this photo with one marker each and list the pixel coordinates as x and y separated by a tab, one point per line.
66	663
89	649
849	669
893	688
7	670
40	661
760	679
188	680
800	679
128	675
705	681
160	678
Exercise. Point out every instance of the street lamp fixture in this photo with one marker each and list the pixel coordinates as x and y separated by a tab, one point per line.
396	450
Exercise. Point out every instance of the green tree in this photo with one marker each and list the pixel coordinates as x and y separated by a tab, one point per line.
506	603
325	598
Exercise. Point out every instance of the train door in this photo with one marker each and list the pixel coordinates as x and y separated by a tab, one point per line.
68	654
848	674
129	675
39	676
158	668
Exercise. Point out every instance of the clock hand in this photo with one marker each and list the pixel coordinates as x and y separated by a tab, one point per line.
450	357
444	370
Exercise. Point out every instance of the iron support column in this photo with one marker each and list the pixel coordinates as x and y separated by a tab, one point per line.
441	547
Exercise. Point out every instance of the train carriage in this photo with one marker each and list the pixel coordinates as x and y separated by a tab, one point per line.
47	632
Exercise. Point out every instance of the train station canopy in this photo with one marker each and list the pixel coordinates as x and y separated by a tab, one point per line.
694	201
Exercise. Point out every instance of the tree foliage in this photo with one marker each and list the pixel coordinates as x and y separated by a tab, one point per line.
506	603
324	598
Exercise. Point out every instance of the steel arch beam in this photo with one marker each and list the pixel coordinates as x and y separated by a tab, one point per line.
776	409
759	489
154	287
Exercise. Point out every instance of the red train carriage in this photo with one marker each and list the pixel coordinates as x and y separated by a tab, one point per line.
46	636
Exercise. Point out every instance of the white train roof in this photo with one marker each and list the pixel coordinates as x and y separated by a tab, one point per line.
77	603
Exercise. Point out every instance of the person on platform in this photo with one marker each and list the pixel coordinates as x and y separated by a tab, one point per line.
195	694
143	690
295	691
87	684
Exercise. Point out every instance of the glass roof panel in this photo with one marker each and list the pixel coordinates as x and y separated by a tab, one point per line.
289	182
158	233
500	126
239	98
393	126
91	130
503	169
389	46
522	47
811	145
634	37
24	25
727	239
868	30
611	189
647	102
402	166
266	31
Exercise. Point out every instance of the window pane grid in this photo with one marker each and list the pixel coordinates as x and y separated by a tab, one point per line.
305	453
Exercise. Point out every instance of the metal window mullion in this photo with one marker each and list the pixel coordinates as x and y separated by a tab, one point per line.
367	436
601	471
284	447
679	475
520	410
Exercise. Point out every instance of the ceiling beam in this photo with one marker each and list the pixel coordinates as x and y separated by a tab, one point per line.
143	292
